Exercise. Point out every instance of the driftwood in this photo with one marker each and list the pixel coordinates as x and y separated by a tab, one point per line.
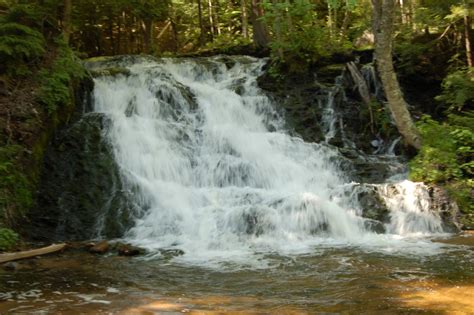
363	89
31	253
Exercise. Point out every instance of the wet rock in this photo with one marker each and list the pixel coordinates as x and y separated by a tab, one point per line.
446	207
100	248
129	250
374	226
10	266
113	71
81	186
171	253
373	206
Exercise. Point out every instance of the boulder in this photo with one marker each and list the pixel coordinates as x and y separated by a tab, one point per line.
100	248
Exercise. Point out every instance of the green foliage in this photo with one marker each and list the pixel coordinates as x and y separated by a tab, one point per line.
447	156
226	42
410	54
55	81
19	45
156	10
299	38
8	239
15	188
458	89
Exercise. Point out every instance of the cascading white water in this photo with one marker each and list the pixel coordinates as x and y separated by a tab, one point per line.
193	142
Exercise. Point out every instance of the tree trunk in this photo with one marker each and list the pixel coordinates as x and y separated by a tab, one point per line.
216	11
468	38
148	35
383	16
67	20
345	23
31	253
211	18
245	20
260	32
202	34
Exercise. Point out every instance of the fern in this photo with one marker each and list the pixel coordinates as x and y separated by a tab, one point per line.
19	44
55	91
458	89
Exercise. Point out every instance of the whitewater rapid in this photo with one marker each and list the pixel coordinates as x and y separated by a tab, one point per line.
215	173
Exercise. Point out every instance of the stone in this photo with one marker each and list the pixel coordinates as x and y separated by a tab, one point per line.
446	207
129	250
10	266
100	248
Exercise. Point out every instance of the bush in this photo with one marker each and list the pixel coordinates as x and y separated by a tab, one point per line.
19	45
299	38
8	239
458	89
55	81
447	156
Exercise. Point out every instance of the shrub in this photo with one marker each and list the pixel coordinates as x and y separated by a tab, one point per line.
19	45
8	239
447	156
55	81
458	89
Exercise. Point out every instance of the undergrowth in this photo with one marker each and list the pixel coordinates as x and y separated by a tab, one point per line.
446	157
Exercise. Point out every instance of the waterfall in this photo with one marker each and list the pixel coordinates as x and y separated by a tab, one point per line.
210	165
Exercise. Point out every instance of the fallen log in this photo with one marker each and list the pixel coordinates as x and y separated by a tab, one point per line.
363	90
31	253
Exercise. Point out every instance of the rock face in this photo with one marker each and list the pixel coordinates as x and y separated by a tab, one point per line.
81	193
446	208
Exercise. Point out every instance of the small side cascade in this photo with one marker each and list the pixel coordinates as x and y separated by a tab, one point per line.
411	210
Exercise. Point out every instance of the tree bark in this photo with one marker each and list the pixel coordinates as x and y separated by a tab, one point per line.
31	253
363	89
245	20
67	20
216	12
148	35
383	16
260	32
211	18
202	34
468	38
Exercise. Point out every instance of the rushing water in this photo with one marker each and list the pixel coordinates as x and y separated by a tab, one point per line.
215	173
237	214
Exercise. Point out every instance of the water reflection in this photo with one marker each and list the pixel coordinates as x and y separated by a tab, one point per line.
337	280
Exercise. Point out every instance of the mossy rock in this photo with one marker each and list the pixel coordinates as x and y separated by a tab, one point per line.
114	71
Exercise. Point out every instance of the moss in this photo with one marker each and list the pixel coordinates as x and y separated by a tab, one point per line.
113	71
20	164
55	81
98	59
16	193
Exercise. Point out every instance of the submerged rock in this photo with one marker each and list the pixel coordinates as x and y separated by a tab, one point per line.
129	250
100	248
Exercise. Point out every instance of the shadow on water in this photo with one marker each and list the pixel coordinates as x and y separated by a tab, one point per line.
337	280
